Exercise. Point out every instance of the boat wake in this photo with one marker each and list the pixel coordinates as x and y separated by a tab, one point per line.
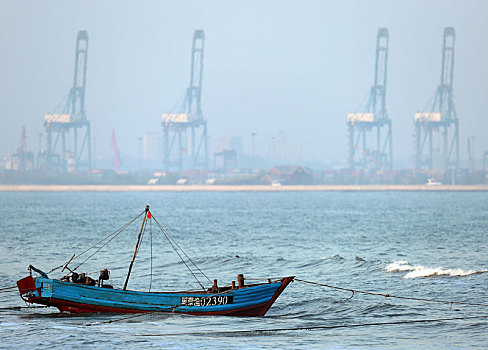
415	271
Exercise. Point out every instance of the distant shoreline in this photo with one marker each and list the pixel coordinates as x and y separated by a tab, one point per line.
239	188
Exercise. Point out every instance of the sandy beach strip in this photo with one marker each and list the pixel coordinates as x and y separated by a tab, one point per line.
221	188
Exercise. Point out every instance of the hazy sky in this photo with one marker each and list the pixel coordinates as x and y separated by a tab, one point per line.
270	66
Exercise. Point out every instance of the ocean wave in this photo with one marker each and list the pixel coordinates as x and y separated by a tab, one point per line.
415	271
313	263
399	266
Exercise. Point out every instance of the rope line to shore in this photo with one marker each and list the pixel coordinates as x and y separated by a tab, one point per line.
23	307
124	318
354	325
353	291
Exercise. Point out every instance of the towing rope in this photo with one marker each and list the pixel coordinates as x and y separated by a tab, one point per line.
16	308
8	288
120	319
353	291
250	331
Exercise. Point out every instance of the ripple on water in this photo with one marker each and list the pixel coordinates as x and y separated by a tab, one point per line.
341	239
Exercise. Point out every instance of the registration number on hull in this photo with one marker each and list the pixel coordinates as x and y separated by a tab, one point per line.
207	301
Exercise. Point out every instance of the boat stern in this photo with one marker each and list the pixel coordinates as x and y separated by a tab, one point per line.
27	289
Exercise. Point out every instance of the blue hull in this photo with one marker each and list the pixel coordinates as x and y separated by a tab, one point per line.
252	300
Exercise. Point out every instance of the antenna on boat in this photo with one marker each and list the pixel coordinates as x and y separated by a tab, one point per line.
137	246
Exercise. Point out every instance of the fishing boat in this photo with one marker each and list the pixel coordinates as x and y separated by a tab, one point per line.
78	293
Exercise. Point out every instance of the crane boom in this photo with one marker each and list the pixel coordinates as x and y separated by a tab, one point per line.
193	103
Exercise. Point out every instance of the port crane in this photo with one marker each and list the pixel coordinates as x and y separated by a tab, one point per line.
72	117
373	119
440	118
189	117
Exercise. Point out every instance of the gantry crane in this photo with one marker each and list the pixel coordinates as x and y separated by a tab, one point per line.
441	116
72	117
374	118
189	117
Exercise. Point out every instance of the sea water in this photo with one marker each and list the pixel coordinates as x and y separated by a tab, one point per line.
412	244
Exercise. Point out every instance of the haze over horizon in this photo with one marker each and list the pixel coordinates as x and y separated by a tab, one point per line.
269	67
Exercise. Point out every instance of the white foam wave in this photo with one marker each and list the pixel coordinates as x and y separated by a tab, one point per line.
399	266
422	271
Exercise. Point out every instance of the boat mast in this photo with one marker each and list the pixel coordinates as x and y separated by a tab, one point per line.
135	249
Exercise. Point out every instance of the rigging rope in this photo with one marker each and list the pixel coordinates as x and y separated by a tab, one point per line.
172	242
150	231
176	243
179	255
114	234
186	255
353	291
